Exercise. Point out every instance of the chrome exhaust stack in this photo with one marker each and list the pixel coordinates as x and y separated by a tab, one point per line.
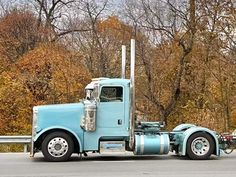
123	61
132	94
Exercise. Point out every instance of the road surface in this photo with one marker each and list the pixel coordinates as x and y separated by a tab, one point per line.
107	165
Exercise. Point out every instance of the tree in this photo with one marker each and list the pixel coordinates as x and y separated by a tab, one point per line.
18	34
101	47
56	18
180	30
16	104
53	74
213	89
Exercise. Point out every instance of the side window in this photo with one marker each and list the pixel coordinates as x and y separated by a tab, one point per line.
111	94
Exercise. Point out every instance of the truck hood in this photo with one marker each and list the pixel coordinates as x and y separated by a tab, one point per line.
59	115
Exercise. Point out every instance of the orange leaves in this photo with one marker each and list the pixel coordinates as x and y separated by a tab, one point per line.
15	106
18	34
53	74
47	74
111	22
114	28
33	73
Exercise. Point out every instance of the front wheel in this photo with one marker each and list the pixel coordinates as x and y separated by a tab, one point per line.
200	146
57	146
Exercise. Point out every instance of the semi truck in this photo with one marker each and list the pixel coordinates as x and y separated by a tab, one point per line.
106	116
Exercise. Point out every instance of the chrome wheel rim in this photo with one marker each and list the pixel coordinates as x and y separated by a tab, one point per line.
58	147
200	146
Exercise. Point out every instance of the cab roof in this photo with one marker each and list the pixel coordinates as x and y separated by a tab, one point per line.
114	81
107	81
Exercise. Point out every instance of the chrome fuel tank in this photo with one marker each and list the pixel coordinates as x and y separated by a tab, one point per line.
151	144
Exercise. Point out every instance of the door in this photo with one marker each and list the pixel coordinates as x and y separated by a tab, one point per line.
110	110
110	117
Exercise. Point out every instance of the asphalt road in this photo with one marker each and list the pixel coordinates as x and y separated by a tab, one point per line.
107	165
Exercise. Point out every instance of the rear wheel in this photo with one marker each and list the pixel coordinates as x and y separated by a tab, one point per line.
200	146
57	146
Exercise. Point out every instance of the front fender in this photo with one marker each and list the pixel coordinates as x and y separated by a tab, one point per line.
59	128
186	134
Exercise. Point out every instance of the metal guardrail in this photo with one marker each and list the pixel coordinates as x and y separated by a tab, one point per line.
26	140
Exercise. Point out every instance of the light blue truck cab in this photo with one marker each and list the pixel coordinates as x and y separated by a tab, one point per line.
103	116
107	114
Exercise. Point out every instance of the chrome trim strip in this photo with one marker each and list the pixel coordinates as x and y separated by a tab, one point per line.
142	144
162	144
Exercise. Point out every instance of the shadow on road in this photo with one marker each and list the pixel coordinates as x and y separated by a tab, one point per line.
98	157
120	157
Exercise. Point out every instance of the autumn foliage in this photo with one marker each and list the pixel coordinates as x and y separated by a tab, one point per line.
53	74
34	72
185	68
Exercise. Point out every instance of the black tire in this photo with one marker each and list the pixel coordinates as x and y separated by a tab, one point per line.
57	147
200	146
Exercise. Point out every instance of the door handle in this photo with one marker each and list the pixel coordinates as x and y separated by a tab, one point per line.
119	122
